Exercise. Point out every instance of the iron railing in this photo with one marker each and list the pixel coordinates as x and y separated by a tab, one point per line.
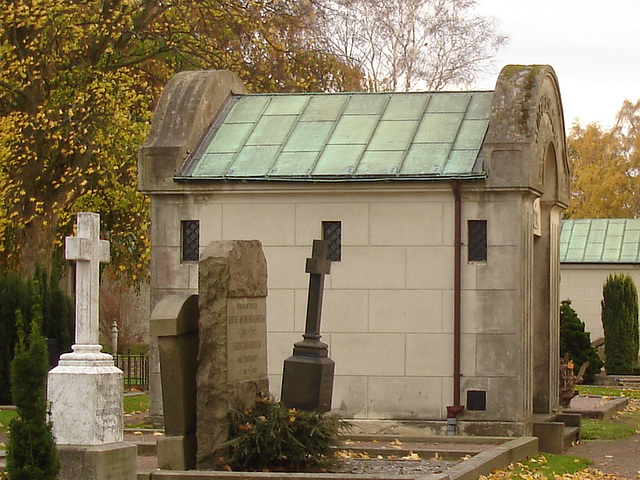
135	367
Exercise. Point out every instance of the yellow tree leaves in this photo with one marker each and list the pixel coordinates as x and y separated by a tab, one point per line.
605	168
78	83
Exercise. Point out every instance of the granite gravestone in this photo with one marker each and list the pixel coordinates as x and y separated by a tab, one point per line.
307	381
232	358
85	389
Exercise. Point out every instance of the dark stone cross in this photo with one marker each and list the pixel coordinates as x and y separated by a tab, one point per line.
307	381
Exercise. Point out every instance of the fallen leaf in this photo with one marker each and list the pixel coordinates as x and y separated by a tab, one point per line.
412	456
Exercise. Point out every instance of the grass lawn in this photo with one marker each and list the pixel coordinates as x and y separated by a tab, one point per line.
542	466
5	419
136	403
609	391
623	424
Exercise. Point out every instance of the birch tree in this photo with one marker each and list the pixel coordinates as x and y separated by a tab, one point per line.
410	44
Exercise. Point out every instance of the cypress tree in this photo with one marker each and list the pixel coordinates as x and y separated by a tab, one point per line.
620	324
54	308
576	342
13	296
31	453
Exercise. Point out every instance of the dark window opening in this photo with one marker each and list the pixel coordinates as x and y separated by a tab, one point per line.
190	240
477	240
476	400
332	234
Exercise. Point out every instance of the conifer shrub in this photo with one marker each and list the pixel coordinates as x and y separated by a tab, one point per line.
620	324
54	308
270	436
576	342
31	453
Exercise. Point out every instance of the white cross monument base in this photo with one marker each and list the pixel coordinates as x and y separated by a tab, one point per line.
86	388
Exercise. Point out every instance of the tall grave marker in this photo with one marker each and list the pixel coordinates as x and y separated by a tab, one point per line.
232	353
85	389
307	381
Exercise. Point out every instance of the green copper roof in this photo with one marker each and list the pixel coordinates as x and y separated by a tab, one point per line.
344	136
613	240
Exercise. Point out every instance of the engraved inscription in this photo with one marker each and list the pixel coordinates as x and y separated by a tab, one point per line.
246	339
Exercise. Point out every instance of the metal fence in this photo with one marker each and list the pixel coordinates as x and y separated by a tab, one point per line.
135	367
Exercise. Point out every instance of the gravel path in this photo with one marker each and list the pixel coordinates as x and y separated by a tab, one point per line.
620	457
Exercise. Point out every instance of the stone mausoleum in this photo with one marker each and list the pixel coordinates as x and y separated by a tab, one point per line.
442	213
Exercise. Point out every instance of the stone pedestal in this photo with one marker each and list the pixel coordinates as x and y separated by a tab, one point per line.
112	461
308	382
85	391
177	452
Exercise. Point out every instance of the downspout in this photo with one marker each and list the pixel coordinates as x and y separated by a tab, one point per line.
456	408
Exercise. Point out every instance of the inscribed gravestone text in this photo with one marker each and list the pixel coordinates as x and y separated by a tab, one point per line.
246	339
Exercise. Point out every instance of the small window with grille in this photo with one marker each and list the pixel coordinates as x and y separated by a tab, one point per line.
190	240
332	233
477	240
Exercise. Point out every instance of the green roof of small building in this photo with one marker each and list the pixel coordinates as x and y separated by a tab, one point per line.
606	240
343	137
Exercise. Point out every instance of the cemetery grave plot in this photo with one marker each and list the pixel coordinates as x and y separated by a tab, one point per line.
390	455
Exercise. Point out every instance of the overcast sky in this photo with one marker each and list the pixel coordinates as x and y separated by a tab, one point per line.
593	46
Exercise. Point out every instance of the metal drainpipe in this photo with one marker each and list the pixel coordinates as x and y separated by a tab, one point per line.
456	408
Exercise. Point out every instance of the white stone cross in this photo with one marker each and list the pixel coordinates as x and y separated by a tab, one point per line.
88	251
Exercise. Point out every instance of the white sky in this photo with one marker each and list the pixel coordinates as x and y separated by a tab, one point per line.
593	46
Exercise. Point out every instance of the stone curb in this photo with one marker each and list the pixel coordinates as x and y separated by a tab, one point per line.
498	457
480	464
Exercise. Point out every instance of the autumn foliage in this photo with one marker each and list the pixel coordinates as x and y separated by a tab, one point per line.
605	167
78	83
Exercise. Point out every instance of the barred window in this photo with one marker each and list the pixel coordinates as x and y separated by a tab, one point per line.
476	400
332	234
477	240
190	240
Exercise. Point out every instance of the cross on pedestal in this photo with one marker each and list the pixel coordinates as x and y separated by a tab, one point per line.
88	251
85	389
307	380
317	266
